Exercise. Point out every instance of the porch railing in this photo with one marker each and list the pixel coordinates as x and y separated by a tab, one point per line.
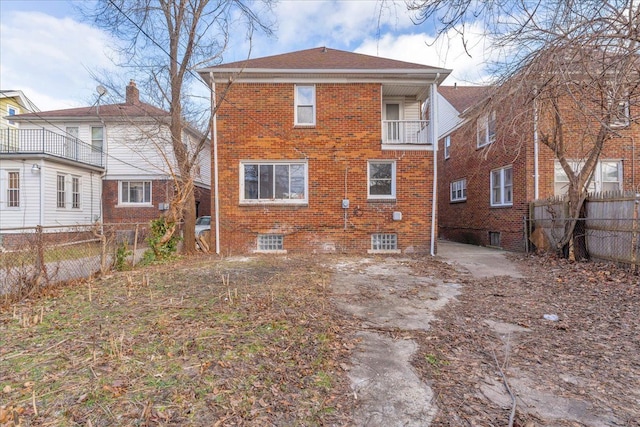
43	141
406	132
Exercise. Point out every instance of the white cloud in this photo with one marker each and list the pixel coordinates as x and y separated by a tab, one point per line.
49	58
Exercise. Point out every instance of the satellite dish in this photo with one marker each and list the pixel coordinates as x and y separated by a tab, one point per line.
101	90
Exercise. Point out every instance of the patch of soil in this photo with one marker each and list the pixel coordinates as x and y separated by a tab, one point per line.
581	370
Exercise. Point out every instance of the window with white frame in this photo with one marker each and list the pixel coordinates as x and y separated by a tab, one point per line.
502	186
270	242
13	189
305	105
274	182
487	129
607	176
618	108
382	179
97	138
61	192
459	190
135	192
447	146
75	192
12	111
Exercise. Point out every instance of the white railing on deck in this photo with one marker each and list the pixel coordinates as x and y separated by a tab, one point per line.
406	132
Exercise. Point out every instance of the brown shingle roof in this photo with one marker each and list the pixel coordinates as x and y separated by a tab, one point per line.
463	97
137	110
322	58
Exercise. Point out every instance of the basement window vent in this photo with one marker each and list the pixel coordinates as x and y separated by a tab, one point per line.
494	238
270	243
384	242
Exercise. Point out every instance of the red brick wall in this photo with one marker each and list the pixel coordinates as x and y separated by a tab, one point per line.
255	122
471	221
161	192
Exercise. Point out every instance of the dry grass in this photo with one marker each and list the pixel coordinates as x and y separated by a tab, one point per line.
203	342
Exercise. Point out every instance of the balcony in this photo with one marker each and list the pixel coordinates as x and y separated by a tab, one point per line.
45	142
406	132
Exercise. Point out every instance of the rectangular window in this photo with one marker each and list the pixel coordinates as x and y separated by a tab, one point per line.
281	182
382	179
61	193
75	192
502	187
270	242
459	190
305	105
494	238
97	138
607	176
447	146
13	190
618	108
384	242
487	129
12	111
135	192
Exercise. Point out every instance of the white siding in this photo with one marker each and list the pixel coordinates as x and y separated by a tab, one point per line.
448	117
411	109
28	213
90	195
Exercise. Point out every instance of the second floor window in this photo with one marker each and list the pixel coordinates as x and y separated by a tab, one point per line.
12	111
305	105
135	192
447	146
459	190
487	129
13	190
502	186
276	182
97	138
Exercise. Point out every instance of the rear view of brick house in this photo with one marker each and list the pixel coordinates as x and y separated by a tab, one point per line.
323	150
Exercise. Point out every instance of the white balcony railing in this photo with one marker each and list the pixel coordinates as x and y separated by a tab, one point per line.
406	132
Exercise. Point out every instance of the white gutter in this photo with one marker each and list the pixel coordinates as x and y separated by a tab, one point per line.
434	136
42	200
214	138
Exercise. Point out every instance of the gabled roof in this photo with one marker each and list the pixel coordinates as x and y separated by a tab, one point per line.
463	97
20	98
323	62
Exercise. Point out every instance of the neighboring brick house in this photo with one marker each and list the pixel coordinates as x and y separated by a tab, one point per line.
126	144
488	176
322	150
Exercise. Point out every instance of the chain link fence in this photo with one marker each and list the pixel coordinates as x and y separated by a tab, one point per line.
34	257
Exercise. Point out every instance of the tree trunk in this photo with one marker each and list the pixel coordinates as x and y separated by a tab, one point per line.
189	217
580	236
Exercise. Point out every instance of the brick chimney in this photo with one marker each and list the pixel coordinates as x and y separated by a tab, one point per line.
133	94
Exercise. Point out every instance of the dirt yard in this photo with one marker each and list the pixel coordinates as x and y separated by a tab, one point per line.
266	341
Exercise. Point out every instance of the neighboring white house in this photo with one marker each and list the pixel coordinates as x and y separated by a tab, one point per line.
109	163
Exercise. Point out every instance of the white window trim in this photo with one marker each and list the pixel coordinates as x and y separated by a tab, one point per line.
447	146
295	105
63	192
79	207
16	112
5	191
304	201
130	204
483	124
596	181
392	196
93	147
502	201
464	190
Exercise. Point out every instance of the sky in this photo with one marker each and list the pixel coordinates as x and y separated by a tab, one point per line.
50	53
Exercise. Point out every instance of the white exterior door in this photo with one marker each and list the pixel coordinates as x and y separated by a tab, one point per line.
392	116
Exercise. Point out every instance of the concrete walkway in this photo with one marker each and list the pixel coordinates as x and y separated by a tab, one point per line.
480	261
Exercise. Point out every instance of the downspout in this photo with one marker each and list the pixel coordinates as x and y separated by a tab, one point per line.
536	177
214	138
42	201
434	138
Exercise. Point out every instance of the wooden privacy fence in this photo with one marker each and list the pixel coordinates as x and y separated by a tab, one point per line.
611	222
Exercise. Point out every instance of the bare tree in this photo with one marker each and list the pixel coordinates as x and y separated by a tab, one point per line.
571	65
163	42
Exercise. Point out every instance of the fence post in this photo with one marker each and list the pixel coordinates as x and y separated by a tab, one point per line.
103	254
40	263
135	246
634	233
